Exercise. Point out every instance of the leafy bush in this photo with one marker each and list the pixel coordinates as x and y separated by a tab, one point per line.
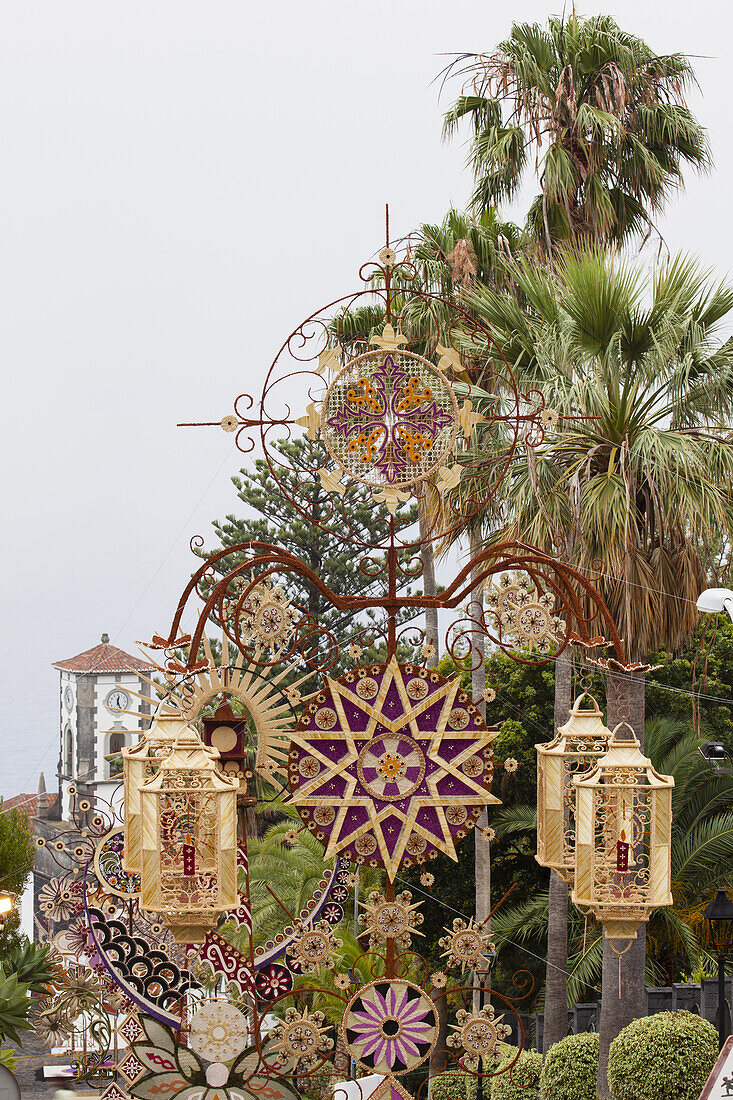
571	1069
670	1054
522	1081
15	1006
448	1086
33	964
451	1086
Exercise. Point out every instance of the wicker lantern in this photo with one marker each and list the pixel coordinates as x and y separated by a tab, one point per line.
623	837
140	763
189	840
576	748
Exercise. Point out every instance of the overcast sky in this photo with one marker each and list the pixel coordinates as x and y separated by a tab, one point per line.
181	183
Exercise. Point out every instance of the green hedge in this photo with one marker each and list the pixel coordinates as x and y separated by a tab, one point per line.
570	1070
667	1055
522	1081
449	1086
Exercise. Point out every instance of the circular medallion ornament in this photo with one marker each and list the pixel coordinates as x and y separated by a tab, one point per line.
266	618
478	1034
273	981
392	787
309	767
367	688
417	688
108	866
218	1031
389	418
391	920
391	767
302	1039
466	945
473	766
390	1027
326	718
459	718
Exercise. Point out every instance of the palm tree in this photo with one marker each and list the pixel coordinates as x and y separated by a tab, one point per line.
448	259
636	483
604	118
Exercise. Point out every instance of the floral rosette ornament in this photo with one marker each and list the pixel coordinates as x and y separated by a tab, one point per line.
390	1026
314	947
267	620
302	1041
526	617
465	945
391	765
396	920
477	1033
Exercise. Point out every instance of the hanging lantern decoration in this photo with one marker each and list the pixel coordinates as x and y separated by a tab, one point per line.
623	837
576	748
140	763
189	840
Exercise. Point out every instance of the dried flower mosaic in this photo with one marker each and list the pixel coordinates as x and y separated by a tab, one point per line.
465	945
477	1033
526	617
314	946
397	920
303	1040
390	1026
409	770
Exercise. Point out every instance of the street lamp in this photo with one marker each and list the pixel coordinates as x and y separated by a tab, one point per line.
718	915
7	904
714	600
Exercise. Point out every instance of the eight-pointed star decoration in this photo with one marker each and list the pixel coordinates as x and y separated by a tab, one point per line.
391	764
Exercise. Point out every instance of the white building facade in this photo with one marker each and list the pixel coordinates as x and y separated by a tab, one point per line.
100	714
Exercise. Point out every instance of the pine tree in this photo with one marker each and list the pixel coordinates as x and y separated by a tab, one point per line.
324	549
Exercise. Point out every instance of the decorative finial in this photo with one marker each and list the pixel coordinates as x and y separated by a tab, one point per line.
105	639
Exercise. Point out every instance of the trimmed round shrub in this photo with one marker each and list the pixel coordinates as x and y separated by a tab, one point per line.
521	1082
670	1054
570	1070
449	1086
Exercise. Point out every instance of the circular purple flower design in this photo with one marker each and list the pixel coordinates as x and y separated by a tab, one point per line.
390	1026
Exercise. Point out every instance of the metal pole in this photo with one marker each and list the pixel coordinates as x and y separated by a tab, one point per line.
479	1079
353	1066
721	1001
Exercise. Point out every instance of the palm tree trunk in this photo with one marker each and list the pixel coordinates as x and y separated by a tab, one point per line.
439	1058
556	980
482	857
622	1000
428	574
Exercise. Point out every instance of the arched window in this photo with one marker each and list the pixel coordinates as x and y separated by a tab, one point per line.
69	757
116	744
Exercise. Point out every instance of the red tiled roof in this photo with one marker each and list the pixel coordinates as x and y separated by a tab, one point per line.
103	658
28	803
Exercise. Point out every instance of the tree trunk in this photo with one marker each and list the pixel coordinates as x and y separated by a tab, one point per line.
482	858
556	978
439	1058
622	1004
428	578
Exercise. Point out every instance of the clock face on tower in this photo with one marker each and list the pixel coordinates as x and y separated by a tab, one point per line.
68	697
117	700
